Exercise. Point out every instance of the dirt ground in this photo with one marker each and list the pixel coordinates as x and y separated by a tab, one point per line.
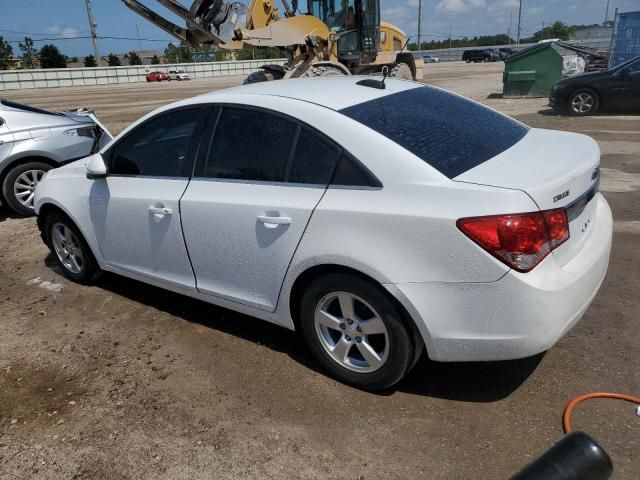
121	380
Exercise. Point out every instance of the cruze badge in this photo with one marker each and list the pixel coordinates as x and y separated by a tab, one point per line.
560	196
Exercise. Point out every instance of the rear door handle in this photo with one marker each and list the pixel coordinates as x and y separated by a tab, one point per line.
160	210
273	222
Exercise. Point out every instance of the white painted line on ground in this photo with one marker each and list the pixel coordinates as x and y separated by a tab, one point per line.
617	181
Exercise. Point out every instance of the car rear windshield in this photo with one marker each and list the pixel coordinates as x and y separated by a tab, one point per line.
449	132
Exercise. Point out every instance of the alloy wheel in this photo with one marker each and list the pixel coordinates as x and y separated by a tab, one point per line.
582	102
67	247
351	332
25	186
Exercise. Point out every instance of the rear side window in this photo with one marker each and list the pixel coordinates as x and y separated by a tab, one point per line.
314	159
448	132
250	145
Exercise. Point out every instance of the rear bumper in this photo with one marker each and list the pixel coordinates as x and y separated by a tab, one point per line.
521	314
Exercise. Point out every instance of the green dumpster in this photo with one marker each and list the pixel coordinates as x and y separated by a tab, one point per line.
532	71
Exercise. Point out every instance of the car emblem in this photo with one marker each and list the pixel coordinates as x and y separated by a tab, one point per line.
560	196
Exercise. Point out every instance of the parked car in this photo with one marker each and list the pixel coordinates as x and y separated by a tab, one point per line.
506	51
178	75
33	141
480	56
431	59
157	76
615	89
379	222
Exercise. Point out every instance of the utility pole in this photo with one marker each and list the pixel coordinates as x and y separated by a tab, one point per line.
450	34
419	20
606	13
92	26
138	33
510	26
519	22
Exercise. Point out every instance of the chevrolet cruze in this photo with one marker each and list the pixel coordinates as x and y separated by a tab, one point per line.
380	220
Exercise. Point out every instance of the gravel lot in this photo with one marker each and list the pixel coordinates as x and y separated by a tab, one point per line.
123	380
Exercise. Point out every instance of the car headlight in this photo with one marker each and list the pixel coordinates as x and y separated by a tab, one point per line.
80	132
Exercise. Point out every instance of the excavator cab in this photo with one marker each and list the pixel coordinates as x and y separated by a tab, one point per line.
355	26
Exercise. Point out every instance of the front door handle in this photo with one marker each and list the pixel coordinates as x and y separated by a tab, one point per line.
273	222
160	210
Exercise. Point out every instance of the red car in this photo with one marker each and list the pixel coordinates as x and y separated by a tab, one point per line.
157	76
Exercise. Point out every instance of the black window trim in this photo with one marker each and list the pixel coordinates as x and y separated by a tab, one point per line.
194	148
206	143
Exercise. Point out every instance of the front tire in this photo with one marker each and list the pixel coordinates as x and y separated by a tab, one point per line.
583	102
356	332
73	255
401	71
19	186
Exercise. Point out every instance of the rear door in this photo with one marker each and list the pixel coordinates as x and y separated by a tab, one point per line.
248	205
135	210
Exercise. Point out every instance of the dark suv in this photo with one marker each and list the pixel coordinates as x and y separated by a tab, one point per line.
480	56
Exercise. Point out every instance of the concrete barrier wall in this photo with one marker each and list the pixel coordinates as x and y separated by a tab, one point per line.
70	77
455	54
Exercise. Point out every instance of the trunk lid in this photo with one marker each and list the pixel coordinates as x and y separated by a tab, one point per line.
556	169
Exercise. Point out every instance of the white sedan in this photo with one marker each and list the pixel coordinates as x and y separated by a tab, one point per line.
381	222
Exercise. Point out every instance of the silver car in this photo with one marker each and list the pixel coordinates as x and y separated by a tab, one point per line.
33	141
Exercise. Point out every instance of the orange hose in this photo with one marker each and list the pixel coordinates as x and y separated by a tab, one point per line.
566	417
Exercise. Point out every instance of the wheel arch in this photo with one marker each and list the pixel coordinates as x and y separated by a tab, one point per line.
409	59
15	161
49	206
312	273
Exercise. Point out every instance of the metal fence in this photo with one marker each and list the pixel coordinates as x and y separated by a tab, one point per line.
71	77
625	44
455	54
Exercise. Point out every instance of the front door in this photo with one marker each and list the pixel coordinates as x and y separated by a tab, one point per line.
135	210
248	205
6	140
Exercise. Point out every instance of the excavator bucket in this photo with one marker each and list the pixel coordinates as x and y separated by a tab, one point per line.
208	21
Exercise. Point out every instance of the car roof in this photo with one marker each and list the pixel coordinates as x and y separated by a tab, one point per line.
335	93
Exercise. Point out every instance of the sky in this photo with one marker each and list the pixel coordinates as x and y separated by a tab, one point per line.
63	19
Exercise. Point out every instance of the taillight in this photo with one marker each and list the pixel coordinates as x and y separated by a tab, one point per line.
520	240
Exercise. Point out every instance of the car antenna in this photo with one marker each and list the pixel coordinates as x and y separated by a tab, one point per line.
379	84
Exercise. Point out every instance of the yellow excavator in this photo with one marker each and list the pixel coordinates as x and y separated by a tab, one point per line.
334	37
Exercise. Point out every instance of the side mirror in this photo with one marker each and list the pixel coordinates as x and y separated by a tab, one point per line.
96	167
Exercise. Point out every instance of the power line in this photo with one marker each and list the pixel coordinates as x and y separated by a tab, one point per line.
39	34
100	37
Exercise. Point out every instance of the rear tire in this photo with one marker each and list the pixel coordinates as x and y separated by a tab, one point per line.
583	102
19	185
370	323
73	256
401	71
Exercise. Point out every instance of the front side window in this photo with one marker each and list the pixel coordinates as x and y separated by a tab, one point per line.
160	147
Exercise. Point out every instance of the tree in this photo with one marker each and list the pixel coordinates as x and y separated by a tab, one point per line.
50	57
74	59
6	52
155	60
114	60
134	59
29	53
180	54
556	30
90	61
